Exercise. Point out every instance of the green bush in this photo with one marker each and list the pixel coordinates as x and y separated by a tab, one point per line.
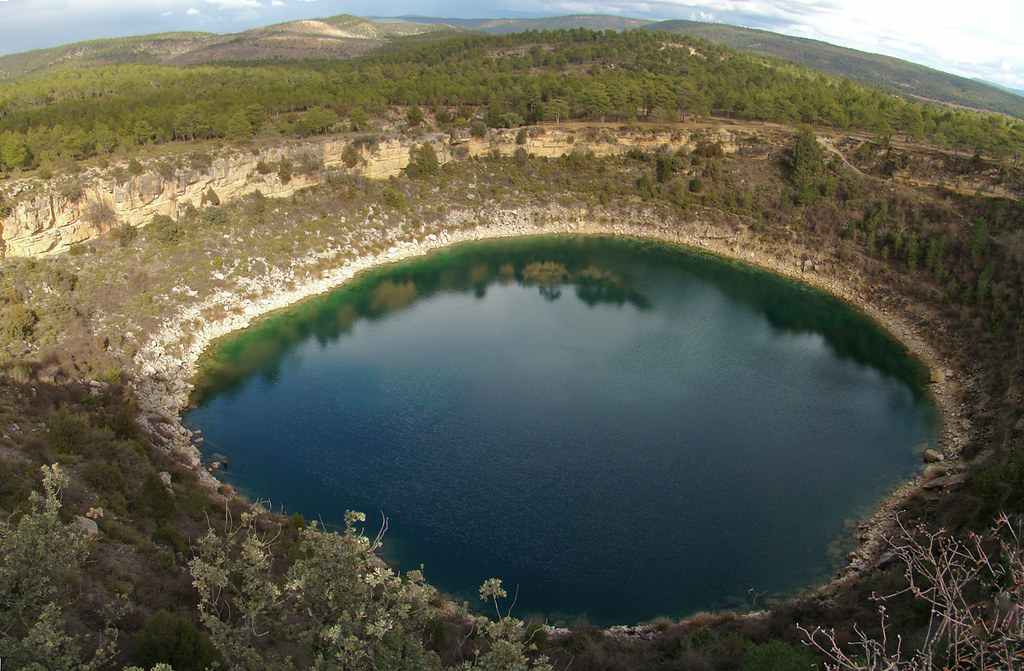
350	156
104	477
155	499
414	116
172	638
124	234
426	160
67	431
395	199
284	170
310	164
124	420
170	536
214	216
17	322
778	656
163	228
200	160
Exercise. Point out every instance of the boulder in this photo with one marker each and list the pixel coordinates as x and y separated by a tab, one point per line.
87	527
932	456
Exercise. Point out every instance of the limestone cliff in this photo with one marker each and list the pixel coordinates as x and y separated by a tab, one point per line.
49	216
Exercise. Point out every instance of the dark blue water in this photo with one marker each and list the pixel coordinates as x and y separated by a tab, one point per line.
621	429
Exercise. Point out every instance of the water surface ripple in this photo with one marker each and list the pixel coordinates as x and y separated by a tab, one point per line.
621	429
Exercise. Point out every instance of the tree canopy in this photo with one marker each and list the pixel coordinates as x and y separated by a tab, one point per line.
507	81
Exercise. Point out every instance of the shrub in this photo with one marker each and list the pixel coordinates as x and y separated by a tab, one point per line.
67	431
135	168
414	116
101	214
163	228
17	322
200	160
706	149
172	638
72	191
38	550
124	420
155	499
166	170
350	156
104	477
395	199
778	656
125	234
170	536
424	162
214	216
284	170
310	164
973	586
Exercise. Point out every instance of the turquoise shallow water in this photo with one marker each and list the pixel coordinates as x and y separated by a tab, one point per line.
620	429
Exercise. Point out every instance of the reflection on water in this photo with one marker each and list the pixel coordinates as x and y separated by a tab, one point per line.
468	270
622	429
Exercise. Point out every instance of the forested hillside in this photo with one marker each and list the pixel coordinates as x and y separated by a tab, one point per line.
503	81
883	72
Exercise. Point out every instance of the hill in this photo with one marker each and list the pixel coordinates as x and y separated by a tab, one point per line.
142	50
507	26
890	74
345	36
338	37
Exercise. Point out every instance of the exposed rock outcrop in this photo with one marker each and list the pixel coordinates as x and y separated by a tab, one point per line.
48	217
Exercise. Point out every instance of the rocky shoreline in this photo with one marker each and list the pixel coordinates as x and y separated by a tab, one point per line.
166	362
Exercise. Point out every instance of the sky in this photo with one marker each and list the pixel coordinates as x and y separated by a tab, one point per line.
980	39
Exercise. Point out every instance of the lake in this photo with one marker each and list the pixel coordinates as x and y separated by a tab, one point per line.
618	428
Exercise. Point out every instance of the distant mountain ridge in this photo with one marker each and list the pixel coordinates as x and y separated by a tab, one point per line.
342	36
347	36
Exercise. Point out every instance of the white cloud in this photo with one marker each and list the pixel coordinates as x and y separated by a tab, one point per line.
276	3
236	4
191	11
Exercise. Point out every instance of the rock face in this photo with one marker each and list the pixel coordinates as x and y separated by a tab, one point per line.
48	217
